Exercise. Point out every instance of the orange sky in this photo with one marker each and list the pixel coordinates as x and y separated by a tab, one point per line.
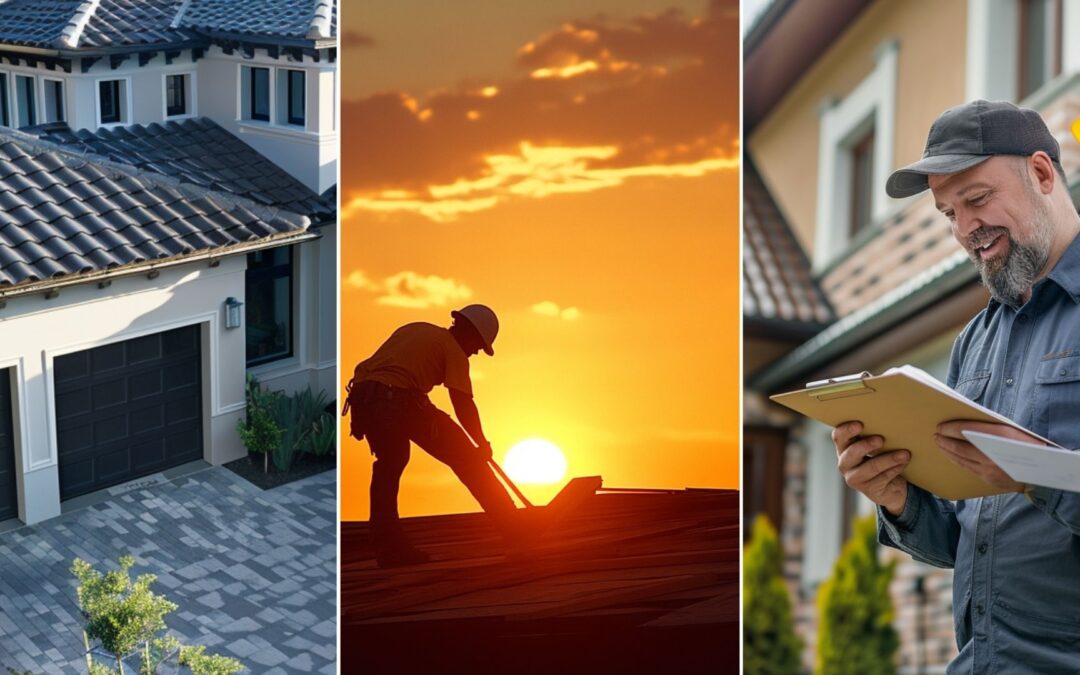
574	165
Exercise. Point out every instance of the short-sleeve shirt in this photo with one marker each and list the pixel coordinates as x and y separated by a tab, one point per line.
419	356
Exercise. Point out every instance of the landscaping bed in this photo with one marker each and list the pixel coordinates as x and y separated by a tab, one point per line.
250	468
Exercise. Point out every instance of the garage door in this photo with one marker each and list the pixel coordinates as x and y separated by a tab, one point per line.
127	409
9	505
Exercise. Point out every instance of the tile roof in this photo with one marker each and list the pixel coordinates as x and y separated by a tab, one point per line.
97	24
639	565
777	281
199	152
300	19
62	215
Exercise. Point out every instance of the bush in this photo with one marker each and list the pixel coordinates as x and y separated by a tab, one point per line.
770	646
259	430
279	426
855	610
126	618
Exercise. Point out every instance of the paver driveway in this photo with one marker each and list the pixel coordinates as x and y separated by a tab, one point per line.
254	572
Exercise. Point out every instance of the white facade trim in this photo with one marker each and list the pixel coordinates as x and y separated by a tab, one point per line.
824	505
42	95
20	424
873	102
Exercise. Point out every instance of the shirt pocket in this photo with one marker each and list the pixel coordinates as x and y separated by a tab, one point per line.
972	386
1057	399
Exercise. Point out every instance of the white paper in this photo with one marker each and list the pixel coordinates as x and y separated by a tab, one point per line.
1030	463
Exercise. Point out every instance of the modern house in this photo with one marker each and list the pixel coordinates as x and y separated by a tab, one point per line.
167	226
839	277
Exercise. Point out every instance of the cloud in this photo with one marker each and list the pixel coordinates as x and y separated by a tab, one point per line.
411	290
548	308
593	103
351	39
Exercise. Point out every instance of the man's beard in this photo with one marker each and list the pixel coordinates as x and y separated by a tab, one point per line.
1009	278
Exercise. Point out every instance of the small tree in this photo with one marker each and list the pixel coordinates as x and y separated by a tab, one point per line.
770	646
855	610
126	617
259	430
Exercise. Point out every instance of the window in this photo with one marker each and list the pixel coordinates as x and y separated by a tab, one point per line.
54	101
24	101
176	95
5	114
1040	44
862	183
295	97
855	156
112	102
268	305
256	91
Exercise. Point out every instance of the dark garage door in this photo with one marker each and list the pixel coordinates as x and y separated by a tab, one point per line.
127	409
9	504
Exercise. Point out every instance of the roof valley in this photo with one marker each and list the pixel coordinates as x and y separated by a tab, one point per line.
71	33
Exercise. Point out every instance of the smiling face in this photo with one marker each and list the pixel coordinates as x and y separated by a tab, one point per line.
1002	220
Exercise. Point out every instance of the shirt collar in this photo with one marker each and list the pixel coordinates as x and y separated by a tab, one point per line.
1066	272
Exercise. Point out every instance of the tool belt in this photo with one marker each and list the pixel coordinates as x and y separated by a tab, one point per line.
367	399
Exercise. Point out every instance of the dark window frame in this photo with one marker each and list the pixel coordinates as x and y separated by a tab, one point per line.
862	182
5	103
29	90
180	107
109	92
301	119
252	96
58	97
258	279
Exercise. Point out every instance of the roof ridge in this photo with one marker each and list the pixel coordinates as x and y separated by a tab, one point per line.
72	32
321	20
70	156
179	18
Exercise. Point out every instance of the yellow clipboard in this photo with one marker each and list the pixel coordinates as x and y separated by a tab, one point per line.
902	406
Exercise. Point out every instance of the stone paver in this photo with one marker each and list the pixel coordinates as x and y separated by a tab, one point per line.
216	543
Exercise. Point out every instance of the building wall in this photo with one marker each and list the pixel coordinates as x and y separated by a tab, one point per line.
34	330
930	38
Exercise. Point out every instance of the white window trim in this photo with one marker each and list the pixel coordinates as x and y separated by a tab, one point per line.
128	103
993	48
275	123
42	93
824	505
192	101
307	102
872	102
18	123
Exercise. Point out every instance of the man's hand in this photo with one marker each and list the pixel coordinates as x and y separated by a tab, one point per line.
877	477
959	450
484	447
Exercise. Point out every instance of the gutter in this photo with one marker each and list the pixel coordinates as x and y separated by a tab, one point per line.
147	267
864	324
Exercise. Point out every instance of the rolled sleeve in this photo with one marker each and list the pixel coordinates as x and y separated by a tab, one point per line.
926	529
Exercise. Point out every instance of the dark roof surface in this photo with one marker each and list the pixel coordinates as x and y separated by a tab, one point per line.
287	18
77	24
777	281
62	215
645	581
199	152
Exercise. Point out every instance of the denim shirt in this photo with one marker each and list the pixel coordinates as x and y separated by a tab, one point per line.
1016	558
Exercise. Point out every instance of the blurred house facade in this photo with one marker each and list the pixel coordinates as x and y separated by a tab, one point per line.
840	278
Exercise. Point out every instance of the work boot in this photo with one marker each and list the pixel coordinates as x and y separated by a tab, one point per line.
400	554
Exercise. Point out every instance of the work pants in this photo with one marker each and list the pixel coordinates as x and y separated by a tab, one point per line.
393	420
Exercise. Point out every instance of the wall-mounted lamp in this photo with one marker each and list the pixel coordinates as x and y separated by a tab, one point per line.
233	317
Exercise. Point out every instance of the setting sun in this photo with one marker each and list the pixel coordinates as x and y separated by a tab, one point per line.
536	461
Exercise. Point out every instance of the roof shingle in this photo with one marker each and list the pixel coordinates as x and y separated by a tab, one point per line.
65	215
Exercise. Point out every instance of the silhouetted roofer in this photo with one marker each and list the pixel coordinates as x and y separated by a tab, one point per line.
390	407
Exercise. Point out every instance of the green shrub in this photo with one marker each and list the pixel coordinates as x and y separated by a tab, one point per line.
126	617
855	632
201	663
323	435
259	430
770	646
279	426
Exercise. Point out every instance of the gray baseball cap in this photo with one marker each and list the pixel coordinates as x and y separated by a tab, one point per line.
970	134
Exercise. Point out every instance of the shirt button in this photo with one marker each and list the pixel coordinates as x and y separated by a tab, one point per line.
980	609
982	547
1009	382
1063	372
1023	318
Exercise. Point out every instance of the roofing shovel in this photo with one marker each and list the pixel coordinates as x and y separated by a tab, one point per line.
573	493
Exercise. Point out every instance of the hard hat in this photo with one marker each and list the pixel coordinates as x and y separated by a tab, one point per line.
485	322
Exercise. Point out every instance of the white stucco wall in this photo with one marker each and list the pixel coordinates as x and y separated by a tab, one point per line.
34	331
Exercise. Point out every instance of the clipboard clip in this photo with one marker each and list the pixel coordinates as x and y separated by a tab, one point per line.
839	387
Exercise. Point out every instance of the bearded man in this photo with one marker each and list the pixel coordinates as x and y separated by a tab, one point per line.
995	173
